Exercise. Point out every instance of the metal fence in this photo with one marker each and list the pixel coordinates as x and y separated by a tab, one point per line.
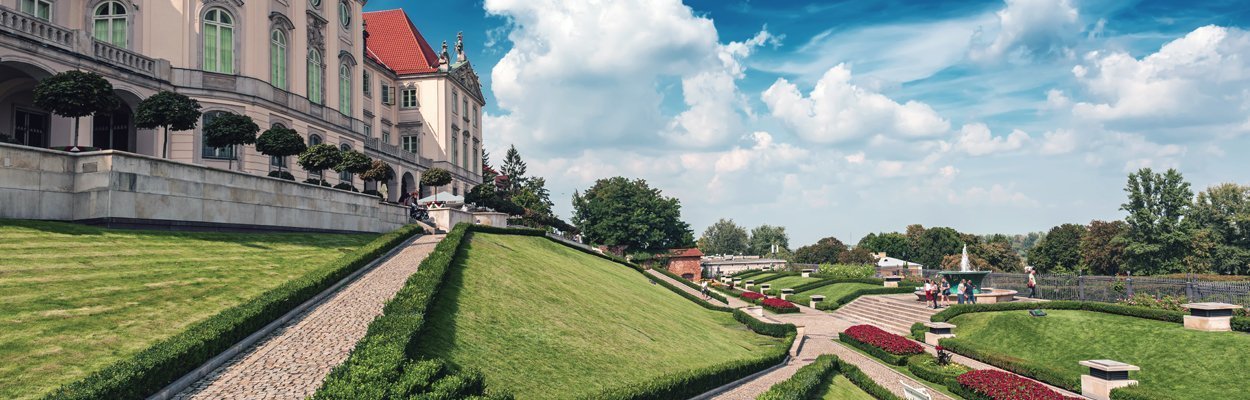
1115	288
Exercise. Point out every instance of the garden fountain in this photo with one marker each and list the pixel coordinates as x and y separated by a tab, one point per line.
983	294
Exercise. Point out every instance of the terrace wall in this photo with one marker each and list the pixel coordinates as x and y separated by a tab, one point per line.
122	189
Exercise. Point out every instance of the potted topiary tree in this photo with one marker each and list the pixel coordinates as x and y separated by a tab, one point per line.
320	158
435	177
378	172
229	130
75	94
282	143
353	162
167	110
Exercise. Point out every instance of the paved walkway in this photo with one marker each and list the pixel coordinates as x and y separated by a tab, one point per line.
292	361
733	301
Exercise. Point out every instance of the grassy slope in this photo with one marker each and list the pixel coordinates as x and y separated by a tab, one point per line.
832	292
1174	361
542	320
840	388
76	298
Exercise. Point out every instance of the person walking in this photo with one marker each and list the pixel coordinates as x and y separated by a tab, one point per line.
704	290
945	291
928	291
1032	283
959	291
972	293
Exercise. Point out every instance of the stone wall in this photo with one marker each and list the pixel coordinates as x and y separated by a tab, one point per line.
686	267
447	218
116	188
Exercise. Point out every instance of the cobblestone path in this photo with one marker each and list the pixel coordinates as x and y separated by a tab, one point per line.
291	362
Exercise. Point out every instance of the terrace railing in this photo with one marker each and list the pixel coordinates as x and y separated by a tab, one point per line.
43	31
124	58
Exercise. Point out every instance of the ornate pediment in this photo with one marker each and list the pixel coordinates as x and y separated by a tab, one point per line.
464	74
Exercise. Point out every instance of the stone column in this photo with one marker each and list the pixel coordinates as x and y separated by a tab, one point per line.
1105	376
938	331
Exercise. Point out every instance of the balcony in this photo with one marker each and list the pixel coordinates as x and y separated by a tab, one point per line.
124	58
78	41
37	29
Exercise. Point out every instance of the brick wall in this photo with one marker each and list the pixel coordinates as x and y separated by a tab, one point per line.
686	267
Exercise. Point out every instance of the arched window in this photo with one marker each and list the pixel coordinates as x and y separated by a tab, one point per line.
345	89
218	41
345	14
345	177
277	58
313	140
110	24
314	76
216	153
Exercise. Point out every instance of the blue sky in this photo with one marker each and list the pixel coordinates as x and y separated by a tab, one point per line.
848	117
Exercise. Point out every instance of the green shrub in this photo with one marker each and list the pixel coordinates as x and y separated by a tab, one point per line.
875	351
925	367
917	332
1031	369
749	273
281	175
148	371
865	383
379	359
764	328
346	186
1241	324
776	276
826	281
806	382
693	383
827	305
1118	309
1136	392
847	271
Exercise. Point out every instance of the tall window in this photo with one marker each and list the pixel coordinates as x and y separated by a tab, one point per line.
41	9
409	98
474	115
387	94
368	87
110	23
386	136
314	76
455	148
345	14
368	130
218	41
475	165
455	99
464	109
411	144
464	151
345	177
345	90
218	153
314	140
277	58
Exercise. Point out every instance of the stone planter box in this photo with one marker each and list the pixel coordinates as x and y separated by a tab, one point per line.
815	299
938	331
1104	376
1211	317
807	273
892	281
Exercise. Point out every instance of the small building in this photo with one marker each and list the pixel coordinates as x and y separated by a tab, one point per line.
686	263
894	266
724	265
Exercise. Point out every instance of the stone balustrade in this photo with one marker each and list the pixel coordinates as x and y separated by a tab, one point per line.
124	58
27	25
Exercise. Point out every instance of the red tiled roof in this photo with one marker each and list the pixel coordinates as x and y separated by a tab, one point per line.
692	252
395	42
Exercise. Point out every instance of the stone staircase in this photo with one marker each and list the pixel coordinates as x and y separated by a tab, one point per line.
894	313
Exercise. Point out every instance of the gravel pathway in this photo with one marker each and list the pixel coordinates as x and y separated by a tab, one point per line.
292	361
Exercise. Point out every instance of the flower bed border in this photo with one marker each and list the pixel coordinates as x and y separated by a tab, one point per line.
788	308
971	393
887	357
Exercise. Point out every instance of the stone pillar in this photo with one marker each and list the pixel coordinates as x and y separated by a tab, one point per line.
1104	376
892	281
938	331
757	310
786	293
1211	317
816	299
807	273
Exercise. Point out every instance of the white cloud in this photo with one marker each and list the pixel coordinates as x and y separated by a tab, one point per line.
997	195
857	158
715	104
1058	142
1030	29
976	140
837	110
1201	79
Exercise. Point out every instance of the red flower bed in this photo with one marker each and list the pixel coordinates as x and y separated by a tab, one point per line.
780	306
752	296
999	385
891	343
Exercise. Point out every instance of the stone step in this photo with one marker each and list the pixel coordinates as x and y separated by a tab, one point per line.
876	316
890	310
903	325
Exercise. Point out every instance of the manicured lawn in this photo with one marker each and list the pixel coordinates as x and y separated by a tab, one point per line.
74	298
831	292
545	321
757	278
840	388
789	282
1176	362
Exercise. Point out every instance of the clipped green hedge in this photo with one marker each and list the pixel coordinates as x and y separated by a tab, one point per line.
875	351
690	284
379	362
1031	369
160	364
917	332
925	366
865	383
776	276
1109	308
1241	324
806	383
764	328
749	273
696	382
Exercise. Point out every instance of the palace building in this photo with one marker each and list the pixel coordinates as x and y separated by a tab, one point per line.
367	81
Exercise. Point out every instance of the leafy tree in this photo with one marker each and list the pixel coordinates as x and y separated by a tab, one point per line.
319	158
998	254
1060	250
229	130
724	237
1157	238
893	244
951	262
535	197
75	94
1102	247
435	177
763	238
487	195
825	251
167	110
629	214
934	244
378	171
353	162
280	142
514	170
1225	210
856	256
